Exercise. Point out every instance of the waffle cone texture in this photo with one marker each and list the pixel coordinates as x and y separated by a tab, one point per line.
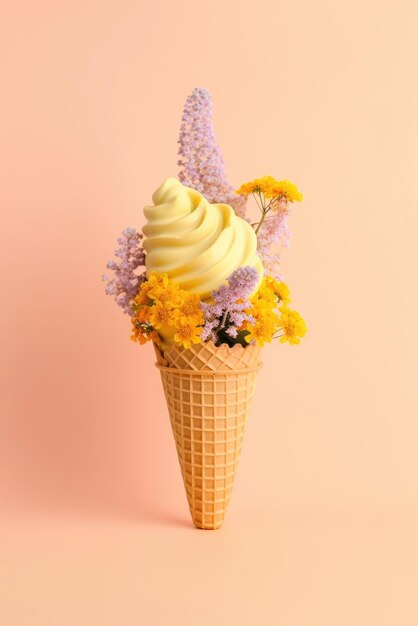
209	390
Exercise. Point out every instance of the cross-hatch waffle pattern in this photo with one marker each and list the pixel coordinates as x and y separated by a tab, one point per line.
208	411
208	356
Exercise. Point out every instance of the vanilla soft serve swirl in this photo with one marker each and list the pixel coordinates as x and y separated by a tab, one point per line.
196	243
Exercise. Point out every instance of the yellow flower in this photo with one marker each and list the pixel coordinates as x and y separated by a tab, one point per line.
283	291
293	326
280	289
142	313
139	336
142	296
258	185
265	298
168	294
142	332
141	329
286	190
247	188
161	315
261	331
263	309
159	288
187	333
271	188
154	280
190	307
162	306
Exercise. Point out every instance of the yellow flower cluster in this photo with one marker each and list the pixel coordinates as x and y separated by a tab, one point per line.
265	309
161	305
162	308
271	188
293	326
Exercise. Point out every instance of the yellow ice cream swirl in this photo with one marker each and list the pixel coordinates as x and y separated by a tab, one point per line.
196	243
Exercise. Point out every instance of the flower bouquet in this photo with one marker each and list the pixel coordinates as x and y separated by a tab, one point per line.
202	282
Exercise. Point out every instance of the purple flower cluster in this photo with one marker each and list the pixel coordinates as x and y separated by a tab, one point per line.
202	166
226	314
273	236
125	283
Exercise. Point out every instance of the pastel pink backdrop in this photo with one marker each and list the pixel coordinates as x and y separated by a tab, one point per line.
326	500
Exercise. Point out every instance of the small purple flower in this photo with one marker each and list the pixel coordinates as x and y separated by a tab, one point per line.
125	283
274	234
227	312
201	163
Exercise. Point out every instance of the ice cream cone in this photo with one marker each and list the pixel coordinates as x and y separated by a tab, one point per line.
209	390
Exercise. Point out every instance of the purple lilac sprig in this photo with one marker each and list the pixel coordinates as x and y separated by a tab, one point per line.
125	282
226	314
274	235
201	163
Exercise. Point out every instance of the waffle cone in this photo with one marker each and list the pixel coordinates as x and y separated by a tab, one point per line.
209	390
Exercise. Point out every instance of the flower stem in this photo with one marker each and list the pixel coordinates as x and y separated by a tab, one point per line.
264	210
261	221
256	201
223	323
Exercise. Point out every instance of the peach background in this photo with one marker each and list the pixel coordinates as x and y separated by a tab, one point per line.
322	528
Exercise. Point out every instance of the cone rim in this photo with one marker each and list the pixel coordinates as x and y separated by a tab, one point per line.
208	372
